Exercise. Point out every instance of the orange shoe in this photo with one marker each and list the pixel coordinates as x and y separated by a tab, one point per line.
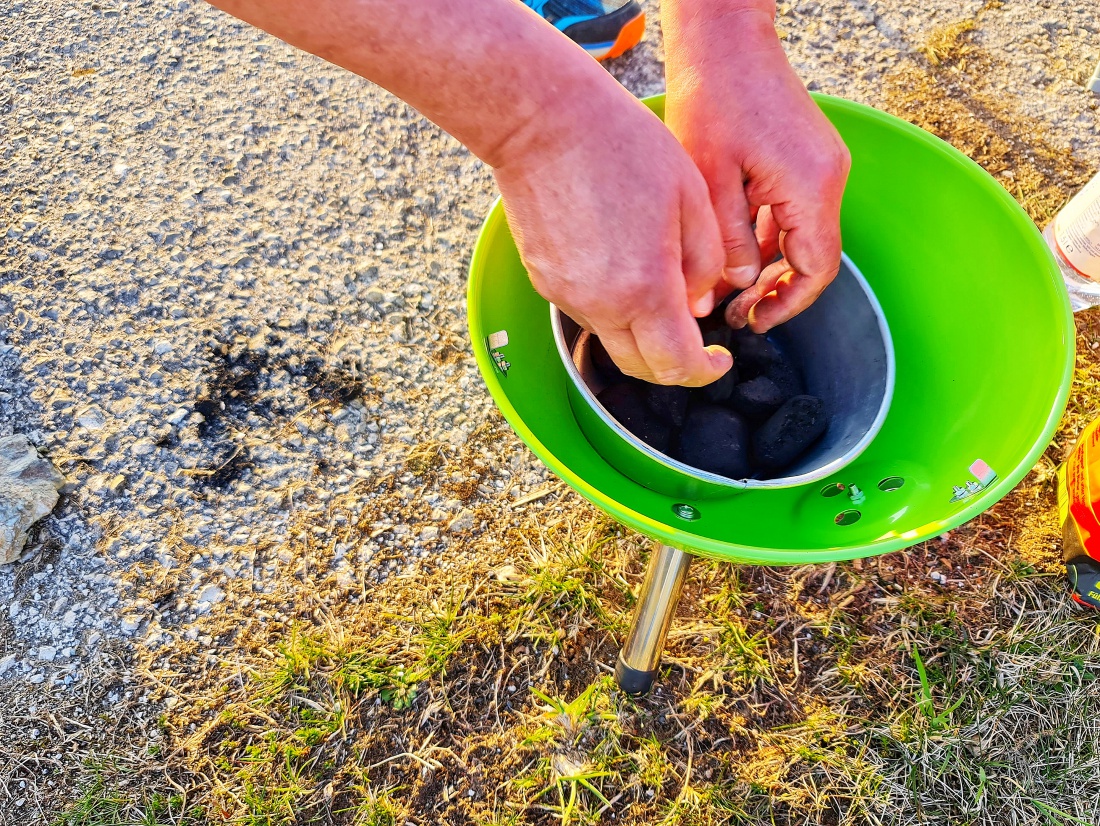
603	28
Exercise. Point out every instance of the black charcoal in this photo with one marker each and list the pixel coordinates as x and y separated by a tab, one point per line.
715	439
755	354
787	378
719	391
757	399
792	429
668	403
626	404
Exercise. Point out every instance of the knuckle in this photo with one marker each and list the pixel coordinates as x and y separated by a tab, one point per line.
671	375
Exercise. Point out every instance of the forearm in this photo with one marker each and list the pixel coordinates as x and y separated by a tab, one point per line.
492	73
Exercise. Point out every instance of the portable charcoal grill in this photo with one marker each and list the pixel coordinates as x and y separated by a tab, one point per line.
983	354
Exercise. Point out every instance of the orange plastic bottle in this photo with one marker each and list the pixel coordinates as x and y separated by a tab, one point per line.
1079	512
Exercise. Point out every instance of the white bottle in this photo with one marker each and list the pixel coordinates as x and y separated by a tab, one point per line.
1074	238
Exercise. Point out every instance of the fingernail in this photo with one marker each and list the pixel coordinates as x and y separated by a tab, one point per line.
720	357
704	306
741	277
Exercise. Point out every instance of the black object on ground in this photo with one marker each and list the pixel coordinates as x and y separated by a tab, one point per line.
716	439
792	429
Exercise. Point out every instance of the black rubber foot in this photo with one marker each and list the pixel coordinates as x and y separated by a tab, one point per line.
631	680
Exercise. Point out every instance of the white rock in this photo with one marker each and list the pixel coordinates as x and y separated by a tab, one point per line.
129	625
463	522
47	653
28	491
211	594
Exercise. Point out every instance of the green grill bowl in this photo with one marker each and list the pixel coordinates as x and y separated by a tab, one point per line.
983	344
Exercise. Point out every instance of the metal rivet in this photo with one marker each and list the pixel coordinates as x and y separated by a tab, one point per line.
847	517
685	511
832	490
891	483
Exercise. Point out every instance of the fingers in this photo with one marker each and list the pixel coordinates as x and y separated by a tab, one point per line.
620	345
742	261
672	347
737	312
767	235
701	249
811	242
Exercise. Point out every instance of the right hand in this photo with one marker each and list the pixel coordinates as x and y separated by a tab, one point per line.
614	224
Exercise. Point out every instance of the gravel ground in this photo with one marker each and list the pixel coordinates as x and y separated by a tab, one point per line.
231	293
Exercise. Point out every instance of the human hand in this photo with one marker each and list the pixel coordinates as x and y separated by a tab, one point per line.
615	227
767	152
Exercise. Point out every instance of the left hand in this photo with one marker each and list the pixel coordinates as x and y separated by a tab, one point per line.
766	151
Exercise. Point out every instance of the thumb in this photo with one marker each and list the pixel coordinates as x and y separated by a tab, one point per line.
701	249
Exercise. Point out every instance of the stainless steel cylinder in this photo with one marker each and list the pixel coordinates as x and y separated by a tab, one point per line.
641	654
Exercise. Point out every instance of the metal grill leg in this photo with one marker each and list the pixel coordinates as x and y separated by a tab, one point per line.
641	654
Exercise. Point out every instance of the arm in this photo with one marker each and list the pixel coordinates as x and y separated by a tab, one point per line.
767	152
610	216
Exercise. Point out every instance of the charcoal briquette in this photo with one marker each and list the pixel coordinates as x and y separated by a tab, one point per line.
791	429
715	439
627	405
668	403
755	354
719	391
757	399
787	378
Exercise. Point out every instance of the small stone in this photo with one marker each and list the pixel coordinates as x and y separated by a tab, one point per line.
757	399
626	404
792	429
716	439
430	533
463	522
668	403
129	625
91	418
47	653
29	488
36	678
162	347
211	594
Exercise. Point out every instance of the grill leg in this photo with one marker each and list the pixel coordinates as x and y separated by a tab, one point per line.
641	654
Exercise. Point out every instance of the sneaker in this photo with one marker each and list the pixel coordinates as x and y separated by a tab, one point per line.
603	28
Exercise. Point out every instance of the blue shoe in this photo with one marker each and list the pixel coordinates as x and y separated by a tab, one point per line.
603	28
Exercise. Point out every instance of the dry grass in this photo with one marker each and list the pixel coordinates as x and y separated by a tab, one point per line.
475	689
